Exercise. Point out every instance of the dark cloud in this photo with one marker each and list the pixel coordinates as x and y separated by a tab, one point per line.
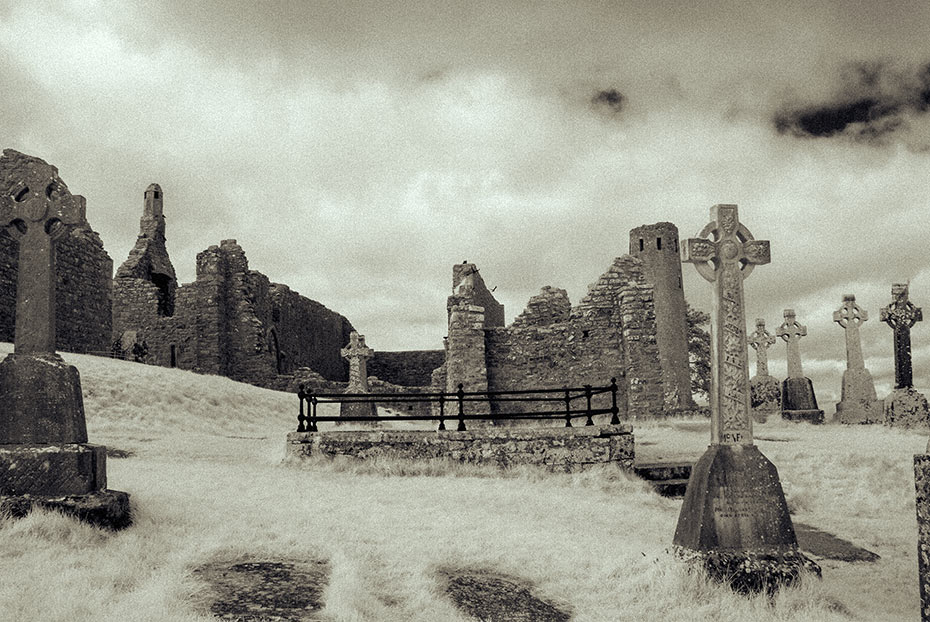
873	101
611	99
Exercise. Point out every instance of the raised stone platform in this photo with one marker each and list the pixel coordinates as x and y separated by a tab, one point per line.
556	449
101	508
71	469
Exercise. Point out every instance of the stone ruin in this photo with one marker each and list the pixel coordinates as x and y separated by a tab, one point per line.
84	271
231	321
631	325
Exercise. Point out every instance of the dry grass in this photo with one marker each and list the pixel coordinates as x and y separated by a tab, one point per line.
207	483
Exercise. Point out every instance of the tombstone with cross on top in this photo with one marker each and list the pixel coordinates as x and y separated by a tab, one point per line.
734	519
357	353
858	402
764	390
798	402
905	406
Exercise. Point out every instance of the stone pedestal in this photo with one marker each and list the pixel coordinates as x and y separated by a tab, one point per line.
798	402
45	460
906	408
858	403
734	521
922	484
764	397
358	409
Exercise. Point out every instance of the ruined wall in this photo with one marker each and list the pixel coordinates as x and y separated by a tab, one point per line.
411	368
308	333
657	246
468	288
84	270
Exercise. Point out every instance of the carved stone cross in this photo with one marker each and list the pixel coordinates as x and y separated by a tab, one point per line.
791	331
761	340
357	354
725	261
901	315
35	211
850	316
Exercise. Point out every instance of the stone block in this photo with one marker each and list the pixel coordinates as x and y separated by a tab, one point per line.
367	410
40	400
734	521
858	403
906	408
72	469
798	401
101	508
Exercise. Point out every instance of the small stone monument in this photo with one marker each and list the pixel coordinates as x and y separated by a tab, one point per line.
764	390
858	403
734	519
798	402
357	353
905	406
45	459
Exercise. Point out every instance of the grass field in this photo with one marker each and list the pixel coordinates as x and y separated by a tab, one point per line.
204	471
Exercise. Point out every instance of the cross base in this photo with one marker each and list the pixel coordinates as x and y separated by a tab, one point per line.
798	402
40	400
734	520
358	409
101	508
906	408
858	403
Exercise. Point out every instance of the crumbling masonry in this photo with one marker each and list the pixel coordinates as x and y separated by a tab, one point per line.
231	321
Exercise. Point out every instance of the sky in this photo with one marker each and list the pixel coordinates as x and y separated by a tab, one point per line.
357	150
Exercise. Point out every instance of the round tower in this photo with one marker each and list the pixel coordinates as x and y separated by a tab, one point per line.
657	246
153	202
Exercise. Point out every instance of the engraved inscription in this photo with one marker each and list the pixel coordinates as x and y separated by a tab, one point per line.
737	503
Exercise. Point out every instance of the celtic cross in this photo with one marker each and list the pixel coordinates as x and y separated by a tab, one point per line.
761	340
726	260
357	354
901	315
791	331
850	316
36	210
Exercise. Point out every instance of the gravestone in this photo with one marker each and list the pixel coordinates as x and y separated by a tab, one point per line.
798	402
45	458
905	406
734	519
764	390
357	353
858	403
922	485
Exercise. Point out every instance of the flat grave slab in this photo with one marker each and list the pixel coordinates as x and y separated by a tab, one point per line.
488	595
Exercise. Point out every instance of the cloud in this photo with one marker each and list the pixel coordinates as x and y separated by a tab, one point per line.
873	100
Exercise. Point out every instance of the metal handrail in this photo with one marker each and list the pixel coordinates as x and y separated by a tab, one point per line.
307	421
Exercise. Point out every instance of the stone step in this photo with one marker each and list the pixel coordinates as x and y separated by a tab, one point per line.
670	487
661	471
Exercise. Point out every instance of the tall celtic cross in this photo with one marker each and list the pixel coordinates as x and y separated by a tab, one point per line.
36	210
357	354
792	331
901	315
761	340
850	316
726	260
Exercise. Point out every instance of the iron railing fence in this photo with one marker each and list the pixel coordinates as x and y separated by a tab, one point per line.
307	418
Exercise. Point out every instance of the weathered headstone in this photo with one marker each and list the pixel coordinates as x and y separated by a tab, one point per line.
764	390
734	519
858	403
44	455
357	353
905	406
798	402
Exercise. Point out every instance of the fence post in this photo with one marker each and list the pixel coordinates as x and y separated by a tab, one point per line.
442	411
313	427
461	397
301	418
614	419
587	394
568	409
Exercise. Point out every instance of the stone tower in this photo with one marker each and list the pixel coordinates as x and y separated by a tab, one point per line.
145	285
657	246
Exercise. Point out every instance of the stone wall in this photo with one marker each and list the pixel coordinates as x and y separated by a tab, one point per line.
84	270
411	368
555	449
468	288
